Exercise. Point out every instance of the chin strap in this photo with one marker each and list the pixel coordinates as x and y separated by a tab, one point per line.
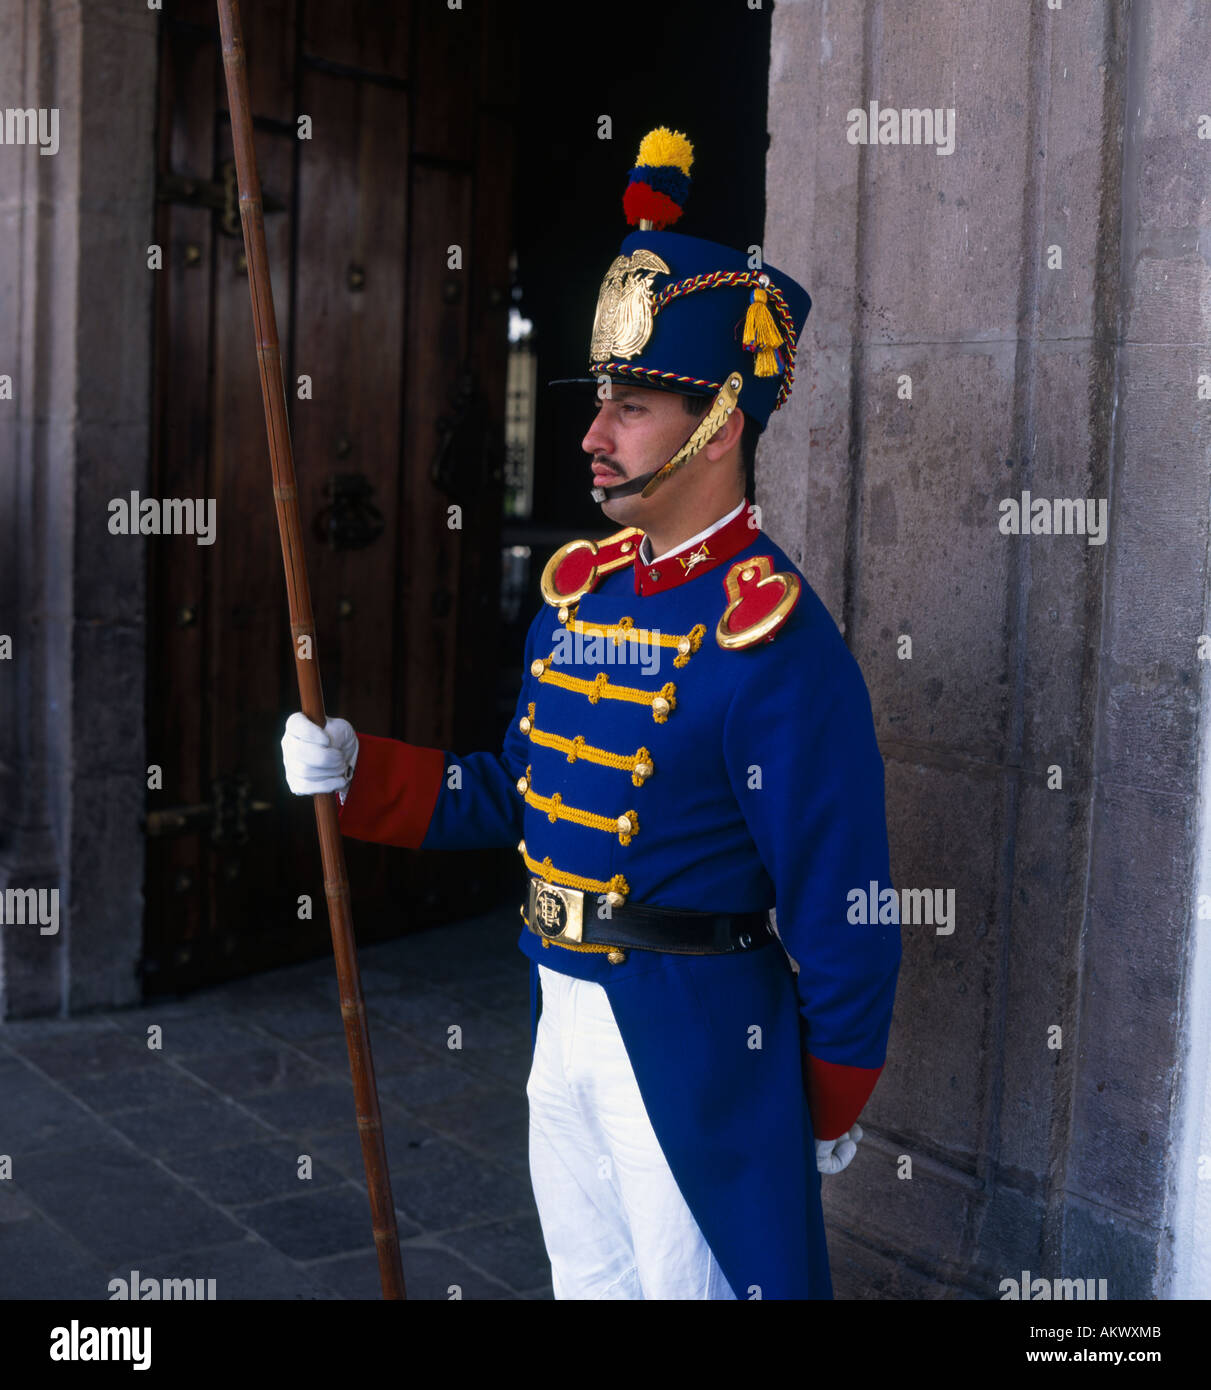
607	494
710	424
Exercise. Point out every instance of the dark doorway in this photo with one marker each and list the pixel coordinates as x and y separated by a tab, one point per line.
385	140
430	129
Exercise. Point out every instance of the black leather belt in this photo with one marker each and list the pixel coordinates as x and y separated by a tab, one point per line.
558	915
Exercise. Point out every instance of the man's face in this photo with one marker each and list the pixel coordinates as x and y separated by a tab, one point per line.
635	431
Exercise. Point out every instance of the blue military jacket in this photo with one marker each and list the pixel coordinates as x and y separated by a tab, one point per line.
650	762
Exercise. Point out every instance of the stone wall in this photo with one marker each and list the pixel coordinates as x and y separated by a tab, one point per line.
1044	293
75	339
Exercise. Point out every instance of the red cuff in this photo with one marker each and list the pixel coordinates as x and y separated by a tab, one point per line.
393	792
836	1094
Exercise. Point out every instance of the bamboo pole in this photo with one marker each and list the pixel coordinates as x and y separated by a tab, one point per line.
311	695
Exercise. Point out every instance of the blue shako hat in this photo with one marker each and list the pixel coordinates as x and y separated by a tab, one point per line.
699	308
681	314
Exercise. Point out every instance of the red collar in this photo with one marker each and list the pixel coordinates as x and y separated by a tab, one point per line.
673	570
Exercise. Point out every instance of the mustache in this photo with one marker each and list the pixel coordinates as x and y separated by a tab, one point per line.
607	463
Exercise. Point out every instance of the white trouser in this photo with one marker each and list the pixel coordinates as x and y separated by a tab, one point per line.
613	1219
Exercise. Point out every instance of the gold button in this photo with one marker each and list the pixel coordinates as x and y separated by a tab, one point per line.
521	847
525	724
660	705
537	667
748	573
522	784
614	899
643	769
563	615
626	547
624	823
617	957
684	645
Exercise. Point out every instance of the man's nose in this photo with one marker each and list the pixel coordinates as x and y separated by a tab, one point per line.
597	440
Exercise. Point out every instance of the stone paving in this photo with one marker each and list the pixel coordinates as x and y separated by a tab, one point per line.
183	1162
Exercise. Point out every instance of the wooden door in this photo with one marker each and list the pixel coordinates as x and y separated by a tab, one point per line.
385	137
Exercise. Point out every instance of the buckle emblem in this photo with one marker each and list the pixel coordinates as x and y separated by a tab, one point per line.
550	913
556	913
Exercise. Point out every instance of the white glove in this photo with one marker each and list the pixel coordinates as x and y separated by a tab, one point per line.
319	760
834	1154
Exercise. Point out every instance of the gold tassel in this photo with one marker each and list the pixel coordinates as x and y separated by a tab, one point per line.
761	332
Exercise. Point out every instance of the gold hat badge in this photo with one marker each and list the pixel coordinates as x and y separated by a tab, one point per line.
623	322
658	187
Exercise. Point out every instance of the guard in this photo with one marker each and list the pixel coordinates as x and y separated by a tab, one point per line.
693	747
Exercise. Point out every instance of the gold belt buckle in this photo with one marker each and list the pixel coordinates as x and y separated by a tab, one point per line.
556	913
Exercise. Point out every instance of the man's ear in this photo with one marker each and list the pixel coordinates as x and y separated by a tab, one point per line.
726	437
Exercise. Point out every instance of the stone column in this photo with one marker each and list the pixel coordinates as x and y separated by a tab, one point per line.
75	339
1030	312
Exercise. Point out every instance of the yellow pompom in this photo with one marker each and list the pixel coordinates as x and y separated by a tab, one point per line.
663	146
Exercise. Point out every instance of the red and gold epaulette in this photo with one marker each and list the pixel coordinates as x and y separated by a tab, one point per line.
760	600
575	568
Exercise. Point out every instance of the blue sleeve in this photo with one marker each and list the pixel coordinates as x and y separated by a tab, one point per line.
804	763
